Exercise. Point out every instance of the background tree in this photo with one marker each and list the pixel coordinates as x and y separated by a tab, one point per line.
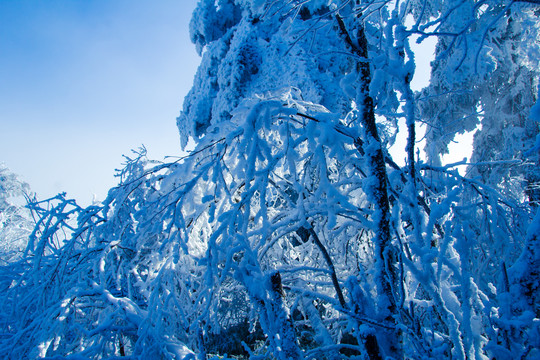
15	220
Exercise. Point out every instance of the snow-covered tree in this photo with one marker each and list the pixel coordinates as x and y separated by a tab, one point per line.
15	220
485	76
289	232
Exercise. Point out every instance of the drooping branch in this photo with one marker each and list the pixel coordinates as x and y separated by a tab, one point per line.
304	234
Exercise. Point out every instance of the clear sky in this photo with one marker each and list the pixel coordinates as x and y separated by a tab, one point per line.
83	82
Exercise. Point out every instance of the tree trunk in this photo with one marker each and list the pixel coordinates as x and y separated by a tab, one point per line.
386	276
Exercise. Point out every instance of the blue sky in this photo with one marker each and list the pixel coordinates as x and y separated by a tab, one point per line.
83	82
